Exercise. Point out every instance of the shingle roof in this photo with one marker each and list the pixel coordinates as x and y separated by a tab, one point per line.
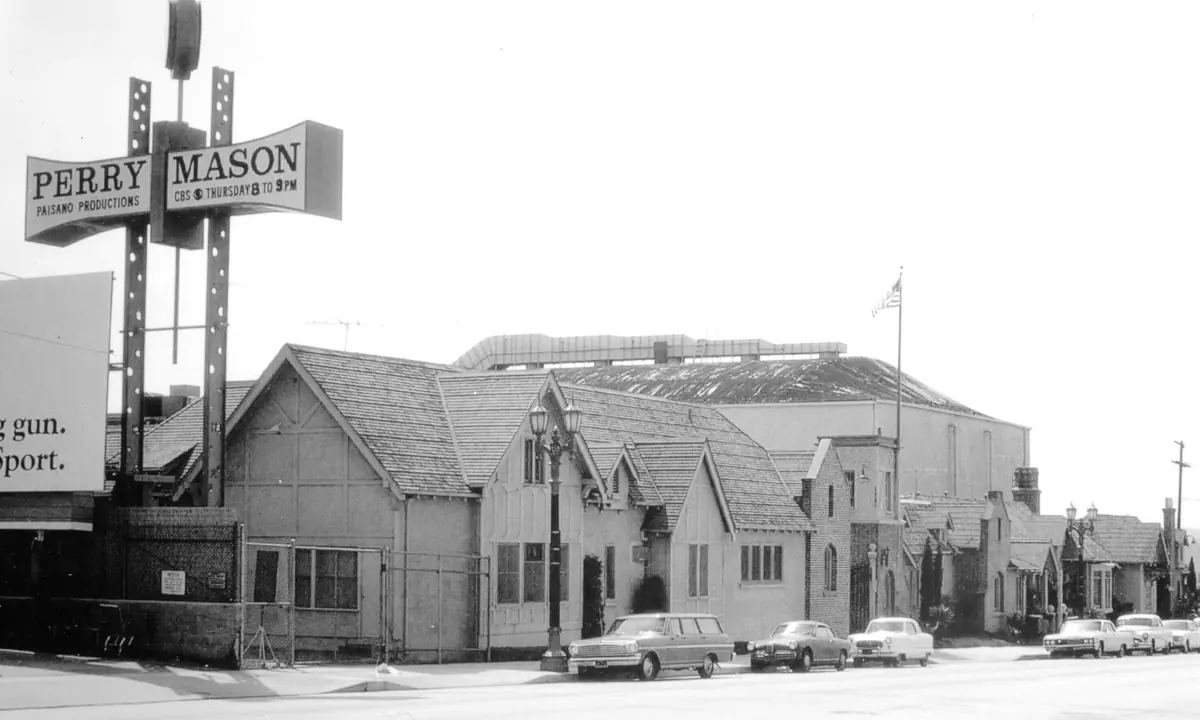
178	434
1050	528
793	467
917	527
1127	539
962	514
1031	556
605	455
766	381
395	407
486	411
757	496
643	491
672	465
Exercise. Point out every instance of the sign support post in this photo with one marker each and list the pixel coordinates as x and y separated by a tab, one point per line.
133	361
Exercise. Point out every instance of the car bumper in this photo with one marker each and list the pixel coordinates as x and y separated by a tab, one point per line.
1071	648
623	661
868	654
779	657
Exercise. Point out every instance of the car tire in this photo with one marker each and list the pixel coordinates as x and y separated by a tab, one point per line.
804	663
1121	651
1187	646
708	666
1098	651
840	665
648	667
925	661
859	662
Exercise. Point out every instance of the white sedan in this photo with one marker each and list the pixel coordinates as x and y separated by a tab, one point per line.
891	641
1088	637
1186	634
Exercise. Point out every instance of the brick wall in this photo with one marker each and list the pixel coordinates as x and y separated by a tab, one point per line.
831	606
168	631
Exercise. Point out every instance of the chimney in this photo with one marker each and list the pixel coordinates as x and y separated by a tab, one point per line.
995	496
1025	489
1169	516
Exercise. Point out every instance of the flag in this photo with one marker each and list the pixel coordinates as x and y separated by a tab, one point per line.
892	299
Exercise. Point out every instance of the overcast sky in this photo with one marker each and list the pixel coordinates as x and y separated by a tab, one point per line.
722	170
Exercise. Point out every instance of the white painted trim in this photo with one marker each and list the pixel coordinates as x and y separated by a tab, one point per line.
45	525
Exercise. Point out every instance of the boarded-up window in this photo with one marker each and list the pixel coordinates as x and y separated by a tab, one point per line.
534	572
266	571
508	573
610	572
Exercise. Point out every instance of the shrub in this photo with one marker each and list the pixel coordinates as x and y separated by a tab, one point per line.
593	596
650	595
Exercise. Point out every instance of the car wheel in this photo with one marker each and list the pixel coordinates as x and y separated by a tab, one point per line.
648	668
1098	651
708	667
858	662
840	665
1121	651
1167	648
925	661
1187	646
1153	649
805	662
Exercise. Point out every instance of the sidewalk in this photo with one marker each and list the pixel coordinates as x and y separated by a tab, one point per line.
29	680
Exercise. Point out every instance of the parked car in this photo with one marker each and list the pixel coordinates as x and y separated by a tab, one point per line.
1186	634
1089	637
1149	635
892	641
647	643
800	644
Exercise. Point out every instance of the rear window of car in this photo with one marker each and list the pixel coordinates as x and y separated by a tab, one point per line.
709	625
1177	624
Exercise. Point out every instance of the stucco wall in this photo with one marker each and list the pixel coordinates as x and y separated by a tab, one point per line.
976	456
621	530
700	523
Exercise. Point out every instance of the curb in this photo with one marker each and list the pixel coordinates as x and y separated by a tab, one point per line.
548	679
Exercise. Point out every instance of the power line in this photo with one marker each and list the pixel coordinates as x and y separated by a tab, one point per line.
52	342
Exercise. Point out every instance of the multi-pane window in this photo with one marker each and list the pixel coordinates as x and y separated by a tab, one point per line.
698	570
762	563
508	573
534	572
1102	588
610	572
831	573
535	466
327	579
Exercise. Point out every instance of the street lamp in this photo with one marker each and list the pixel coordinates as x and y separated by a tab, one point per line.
1081	528
554	659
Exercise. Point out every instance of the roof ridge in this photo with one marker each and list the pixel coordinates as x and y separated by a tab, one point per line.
372	356
643	396
462	468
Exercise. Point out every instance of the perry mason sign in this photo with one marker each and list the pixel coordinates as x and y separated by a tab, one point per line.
298	169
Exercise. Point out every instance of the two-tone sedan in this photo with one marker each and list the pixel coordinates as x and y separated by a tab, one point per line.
647	643
1088	637
1186	634
1149	635
892	641
800	645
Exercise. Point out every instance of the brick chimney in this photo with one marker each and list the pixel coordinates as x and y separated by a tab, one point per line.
1025	489
1169	516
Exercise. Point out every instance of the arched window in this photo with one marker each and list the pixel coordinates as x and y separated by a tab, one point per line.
830	568
889	592
998	593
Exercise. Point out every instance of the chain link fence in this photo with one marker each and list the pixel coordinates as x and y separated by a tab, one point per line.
444	605
267	636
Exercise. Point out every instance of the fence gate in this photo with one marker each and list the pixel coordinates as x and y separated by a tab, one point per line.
268	628
444	605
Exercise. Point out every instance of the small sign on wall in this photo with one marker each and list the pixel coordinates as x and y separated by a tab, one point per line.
216	581
173	582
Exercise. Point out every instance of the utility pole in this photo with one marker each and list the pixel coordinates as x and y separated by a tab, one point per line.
1182	465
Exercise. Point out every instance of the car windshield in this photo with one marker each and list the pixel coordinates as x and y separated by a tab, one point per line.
1177	624
895	626
795	628
1080	626
1142	621
635	625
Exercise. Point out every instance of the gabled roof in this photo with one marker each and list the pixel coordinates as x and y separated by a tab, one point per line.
673	466
758	498
643	491
796	466
917	529
766	381
1030	556
606	456
1129	540
957	518
486	411
180	434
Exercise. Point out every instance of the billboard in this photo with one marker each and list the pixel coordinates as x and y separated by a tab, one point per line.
65	202
54	363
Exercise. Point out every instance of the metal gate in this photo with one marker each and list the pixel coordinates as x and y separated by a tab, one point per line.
444	606
267	635
860	596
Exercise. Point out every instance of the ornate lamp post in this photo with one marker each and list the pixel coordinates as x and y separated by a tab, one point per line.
554	659
1080	529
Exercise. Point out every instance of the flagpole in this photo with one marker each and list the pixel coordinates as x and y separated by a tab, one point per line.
899	339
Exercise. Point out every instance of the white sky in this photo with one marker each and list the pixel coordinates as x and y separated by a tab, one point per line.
723	170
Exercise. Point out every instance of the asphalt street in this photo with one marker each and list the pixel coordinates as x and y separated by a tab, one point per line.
1132	687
